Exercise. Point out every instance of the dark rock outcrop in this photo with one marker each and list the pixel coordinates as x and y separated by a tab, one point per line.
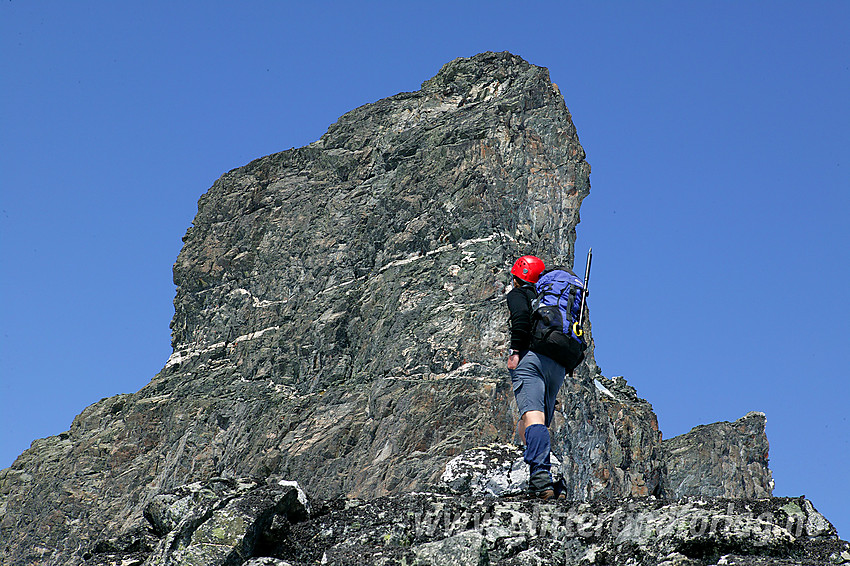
609	440
720	460
223	522
340	322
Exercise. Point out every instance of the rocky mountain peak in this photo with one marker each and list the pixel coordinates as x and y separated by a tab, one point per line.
340	323
415	204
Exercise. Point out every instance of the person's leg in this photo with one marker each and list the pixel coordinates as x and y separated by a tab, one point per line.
553	377
537	446
536	455
537	442
530	392
528	419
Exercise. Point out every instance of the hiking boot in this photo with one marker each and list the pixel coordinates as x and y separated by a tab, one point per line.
545	494
540	485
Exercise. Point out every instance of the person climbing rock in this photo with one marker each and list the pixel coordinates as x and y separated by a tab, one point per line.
535	377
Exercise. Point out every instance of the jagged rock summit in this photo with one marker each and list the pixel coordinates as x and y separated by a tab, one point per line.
340	323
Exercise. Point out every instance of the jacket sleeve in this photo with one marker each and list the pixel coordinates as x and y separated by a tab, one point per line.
519	305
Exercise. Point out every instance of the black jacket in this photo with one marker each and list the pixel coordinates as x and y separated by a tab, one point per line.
519	305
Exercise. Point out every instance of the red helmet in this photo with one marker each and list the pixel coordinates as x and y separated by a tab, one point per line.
528	268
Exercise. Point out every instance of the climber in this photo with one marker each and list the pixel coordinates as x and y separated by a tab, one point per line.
536	378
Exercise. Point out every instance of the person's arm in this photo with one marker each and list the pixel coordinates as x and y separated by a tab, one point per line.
519	306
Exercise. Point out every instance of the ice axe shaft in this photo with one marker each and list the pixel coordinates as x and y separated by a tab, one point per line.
577	327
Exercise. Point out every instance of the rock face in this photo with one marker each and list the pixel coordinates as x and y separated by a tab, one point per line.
720	460
340	322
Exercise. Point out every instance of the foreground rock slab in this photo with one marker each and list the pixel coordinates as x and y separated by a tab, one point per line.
253	524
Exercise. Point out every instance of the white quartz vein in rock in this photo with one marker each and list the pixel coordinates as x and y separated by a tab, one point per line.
184	354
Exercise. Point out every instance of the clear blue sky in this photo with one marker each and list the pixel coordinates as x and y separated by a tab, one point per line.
717	133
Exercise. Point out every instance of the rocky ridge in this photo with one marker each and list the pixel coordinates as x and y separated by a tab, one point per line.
247	522
339	322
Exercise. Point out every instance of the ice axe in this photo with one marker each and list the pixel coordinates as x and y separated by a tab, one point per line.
577	324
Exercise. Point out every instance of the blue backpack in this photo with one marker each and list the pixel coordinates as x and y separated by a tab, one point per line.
553	315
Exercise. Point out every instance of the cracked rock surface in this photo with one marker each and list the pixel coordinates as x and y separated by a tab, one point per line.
247	523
